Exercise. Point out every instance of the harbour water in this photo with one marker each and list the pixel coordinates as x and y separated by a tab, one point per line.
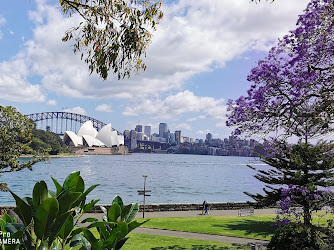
172	178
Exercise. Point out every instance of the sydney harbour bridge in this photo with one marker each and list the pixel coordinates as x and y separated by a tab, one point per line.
59	122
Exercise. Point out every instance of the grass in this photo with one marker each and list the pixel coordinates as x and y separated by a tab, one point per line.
157	242
254	227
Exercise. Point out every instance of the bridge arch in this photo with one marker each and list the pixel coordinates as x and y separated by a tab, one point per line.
60	117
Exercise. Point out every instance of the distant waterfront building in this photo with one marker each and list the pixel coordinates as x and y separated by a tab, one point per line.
140	136
208	137
126	134
133	139
163	129
178	136
139	128
147	130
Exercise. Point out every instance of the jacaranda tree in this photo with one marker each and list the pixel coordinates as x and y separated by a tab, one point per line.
113	35
292	94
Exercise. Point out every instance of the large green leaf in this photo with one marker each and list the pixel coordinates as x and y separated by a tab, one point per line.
134	224
58	186
24	211
122	229
75	181
119	201
66	201
45	216
58	225
80	239
93	241
84	195
89	206
67	227
40	193
114	212
130	211
120	243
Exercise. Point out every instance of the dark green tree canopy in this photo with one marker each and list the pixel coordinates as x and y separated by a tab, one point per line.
113	35
15	136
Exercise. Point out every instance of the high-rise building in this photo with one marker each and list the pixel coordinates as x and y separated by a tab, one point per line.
139	128
208	137
133	139
178	136
163	129
147	130
126	134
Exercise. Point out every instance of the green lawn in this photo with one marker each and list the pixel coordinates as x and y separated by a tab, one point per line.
156	242
255	227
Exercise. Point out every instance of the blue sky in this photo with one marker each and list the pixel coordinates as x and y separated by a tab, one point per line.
199	58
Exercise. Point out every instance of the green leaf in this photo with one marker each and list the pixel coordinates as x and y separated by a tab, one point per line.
114	212
111	240
101	223
24	211
58	186
7	218
130	212
134	224
122	228
104	210
66	201
93	241
74	181
89	220
80	239
52	194
119	201
40	193
67	227
120	243
45	215
14	227
57	226
90	205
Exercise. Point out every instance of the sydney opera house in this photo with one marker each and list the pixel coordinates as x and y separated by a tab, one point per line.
88	136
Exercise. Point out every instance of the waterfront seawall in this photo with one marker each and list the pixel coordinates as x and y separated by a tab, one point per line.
164	207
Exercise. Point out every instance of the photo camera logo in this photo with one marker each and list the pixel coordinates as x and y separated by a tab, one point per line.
5	239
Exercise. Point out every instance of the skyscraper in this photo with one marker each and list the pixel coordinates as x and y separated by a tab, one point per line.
162	129
147	130
139	128
178	136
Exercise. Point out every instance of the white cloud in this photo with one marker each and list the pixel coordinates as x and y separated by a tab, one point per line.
183	126
203	132
103	108
194	37
77	110
181	103
196	118
2	22
14	85
51	102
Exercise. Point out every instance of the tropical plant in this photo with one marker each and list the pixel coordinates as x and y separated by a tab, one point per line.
117	223
51	215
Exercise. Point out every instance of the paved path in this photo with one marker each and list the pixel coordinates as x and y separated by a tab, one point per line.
201	236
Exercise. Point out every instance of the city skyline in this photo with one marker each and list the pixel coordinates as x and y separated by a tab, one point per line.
199	58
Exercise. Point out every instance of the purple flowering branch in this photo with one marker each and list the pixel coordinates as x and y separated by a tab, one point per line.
292	88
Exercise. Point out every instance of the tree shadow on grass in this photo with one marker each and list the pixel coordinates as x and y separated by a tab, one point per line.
199	247
263	228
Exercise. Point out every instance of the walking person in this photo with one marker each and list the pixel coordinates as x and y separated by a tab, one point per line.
205	208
